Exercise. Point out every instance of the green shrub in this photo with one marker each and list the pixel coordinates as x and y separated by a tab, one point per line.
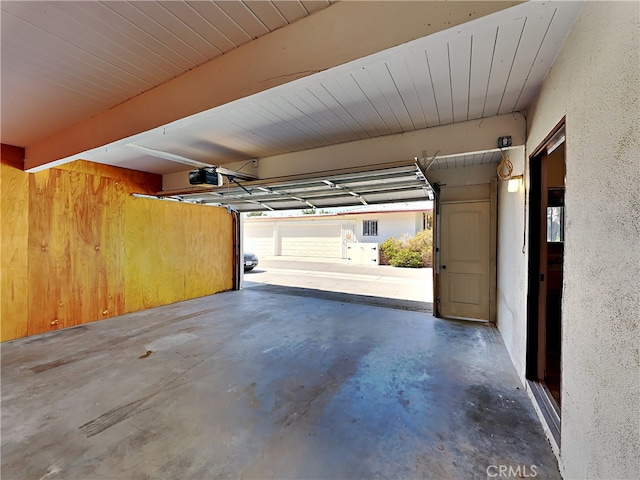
423	244
407	258
408	251
389	248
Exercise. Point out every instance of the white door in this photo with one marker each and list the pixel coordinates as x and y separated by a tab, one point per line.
465	260
348	238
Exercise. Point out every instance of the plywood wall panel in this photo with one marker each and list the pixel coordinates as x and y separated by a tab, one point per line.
97	265
75	250
221	242
209	259
154	252
175	251
110	252
49	261
201	258
14	220
77	247
134	181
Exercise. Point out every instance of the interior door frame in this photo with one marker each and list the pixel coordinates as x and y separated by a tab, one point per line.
534	240
436	251
541	394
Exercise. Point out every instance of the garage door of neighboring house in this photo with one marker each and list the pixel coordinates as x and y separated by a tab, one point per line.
311	240
258	239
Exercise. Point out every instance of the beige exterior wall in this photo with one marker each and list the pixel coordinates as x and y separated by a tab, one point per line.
511	298
464	184
595	82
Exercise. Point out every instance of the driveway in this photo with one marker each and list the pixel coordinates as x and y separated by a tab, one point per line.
411	287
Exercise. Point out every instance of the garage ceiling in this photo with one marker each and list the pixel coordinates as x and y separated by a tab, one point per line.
489	66
63	62
492	65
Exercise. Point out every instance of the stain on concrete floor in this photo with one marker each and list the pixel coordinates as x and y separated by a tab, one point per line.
270	386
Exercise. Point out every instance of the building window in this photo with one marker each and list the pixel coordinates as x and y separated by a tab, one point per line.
370	228
555	224
555	215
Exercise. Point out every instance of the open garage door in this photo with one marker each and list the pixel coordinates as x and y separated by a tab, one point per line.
399	183
317	255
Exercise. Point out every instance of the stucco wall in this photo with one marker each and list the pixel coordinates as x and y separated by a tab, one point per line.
389	225
511	301
595	82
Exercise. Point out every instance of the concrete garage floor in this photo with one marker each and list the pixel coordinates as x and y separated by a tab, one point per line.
260	385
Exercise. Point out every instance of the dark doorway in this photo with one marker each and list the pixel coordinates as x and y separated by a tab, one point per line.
546	258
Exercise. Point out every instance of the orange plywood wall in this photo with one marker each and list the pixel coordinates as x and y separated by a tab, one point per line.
77	247
14	222
75	250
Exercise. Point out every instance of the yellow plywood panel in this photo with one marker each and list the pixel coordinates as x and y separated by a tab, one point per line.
154	255
75	250
210	251
49	256
77	247
175	251
14	226
133	181
100	268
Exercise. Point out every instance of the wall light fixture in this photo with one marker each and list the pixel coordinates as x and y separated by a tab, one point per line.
514	183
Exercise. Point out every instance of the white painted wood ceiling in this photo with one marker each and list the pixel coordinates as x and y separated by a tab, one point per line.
65	61
489	66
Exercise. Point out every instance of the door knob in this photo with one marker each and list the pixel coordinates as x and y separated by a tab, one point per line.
444	267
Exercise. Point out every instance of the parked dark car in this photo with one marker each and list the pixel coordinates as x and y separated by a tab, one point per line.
250	262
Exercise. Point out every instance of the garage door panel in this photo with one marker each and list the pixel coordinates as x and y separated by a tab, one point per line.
258	239
311	241
262	247
312	247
